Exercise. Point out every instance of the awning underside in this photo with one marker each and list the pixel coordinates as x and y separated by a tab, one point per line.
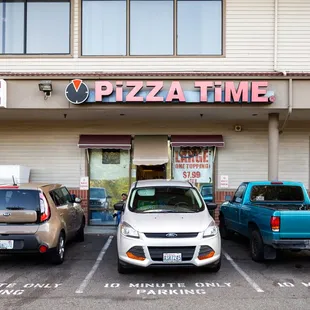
150	150
197	140
105	142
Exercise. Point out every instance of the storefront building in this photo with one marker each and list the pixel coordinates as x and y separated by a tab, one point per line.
96	117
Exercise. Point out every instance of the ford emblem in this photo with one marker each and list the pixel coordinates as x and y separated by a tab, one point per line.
171	235
6	214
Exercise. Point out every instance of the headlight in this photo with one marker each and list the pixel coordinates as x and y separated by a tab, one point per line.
128	231
212	230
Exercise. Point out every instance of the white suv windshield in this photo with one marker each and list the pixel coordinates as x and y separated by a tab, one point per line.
165	199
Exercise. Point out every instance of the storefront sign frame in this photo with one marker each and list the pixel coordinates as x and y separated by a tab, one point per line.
202	91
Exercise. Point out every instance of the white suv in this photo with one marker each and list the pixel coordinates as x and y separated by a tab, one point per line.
167	223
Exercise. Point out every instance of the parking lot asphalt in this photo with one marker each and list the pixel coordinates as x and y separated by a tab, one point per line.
88	279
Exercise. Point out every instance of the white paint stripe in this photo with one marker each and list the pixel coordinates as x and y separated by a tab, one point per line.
244	275
83	285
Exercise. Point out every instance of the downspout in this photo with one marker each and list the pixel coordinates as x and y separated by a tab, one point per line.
275	66
275	48
275	35
290	104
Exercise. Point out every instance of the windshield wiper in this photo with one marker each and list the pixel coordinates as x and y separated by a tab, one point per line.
15	208
158	211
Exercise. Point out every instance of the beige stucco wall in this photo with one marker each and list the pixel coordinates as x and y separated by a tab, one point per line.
50	148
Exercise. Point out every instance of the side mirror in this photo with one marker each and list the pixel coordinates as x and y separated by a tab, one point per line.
227	198
211	206
109	197
119	206
77	200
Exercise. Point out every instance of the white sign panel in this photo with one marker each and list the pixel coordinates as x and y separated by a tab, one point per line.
193	164
21	174
3	94
84	183
224	181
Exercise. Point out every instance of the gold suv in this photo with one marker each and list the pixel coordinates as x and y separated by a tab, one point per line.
39	218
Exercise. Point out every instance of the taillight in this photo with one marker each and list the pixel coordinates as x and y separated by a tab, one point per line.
44	208
275	223
43	248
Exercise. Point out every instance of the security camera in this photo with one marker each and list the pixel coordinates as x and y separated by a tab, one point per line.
238	128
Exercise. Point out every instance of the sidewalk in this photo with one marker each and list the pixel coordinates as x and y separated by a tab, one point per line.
100	230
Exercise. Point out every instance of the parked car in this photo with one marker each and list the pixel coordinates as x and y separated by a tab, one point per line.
206	192
99	198
273	215
164	224
39	218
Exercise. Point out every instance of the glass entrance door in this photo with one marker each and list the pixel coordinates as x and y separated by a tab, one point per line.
109	178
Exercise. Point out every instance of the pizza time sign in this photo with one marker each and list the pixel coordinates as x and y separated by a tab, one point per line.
204	91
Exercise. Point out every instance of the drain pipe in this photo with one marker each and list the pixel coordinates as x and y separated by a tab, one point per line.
275	48
275	38
290	104
275	62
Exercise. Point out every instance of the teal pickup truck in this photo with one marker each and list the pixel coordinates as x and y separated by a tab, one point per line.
273	215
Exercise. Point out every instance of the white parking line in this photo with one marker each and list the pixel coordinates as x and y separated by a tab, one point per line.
85	282
244	275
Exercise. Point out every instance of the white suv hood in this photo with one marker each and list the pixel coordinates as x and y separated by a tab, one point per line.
168	222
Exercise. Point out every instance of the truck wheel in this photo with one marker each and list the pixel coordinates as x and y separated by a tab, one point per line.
257	246
225	233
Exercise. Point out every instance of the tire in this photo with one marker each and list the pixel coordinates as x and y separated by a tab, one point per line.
225	233
80	233
216	266
58	256
122	268
257	246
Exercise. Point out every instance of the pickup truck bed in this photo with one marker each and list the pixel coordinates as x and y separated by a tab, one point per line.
272	215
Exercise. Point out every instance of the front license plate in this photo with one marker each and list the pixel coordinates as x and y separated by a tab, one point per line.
172	258
6	244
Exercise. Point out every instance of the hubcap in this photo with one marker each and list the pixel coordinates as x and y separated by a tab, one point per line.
61	247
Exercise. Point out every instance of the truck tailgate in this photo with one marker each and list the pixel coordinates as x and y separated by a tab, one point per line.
294	224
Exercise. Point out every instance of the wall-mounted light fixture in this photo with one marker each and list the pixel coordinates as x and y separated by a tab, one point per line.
46	87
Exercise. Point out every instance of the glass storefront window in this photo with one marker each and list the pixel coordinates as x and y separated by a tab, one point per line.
193	164
109	178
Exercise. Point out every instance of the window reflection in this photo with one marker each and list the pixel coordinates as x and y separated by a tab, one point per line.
109	178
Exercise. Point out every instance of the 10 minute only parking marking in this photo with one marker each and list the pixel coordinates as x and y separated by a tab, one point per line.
170	288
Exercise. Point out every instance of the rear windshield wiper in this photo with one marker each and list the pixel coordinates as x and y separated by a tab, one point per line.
15	208
158	211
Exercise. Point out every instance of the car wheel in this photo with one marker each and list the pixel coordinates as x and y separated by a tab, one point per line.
80	232
122	268
257	246
216	266
58	255
225	233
